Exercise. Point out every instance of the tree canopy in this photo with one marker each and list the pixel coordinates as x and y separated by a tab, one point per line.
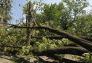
5	9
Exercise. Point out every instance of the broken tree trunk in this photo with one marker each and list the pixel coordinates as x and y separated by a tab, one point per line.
57	59
82	42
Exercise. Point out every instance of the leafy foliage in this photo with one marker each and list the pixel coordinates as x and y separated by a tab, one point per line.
87	58
71	10
68	15
5	7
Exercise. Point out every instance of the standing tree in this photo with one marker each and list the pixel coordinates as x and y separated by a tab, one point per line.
30	19
51	14
5	7
72	9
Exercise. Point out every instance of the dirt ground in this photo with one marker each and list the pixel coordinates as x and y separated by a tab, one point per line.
6	59
2	60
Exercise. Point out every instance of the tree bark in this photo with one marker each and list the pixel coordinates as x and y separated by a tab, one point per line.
64	50
59	60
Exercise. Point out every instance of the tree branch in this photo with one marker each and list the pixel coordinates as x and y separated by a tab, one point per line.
10	46
49	37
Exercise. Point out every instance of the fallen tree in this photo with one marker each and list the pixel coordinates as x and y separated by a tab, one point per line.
82	42
64	50
54	58
59	37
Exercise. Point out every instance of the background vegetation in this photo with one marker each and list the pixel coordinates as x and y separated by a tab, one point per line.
68	15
